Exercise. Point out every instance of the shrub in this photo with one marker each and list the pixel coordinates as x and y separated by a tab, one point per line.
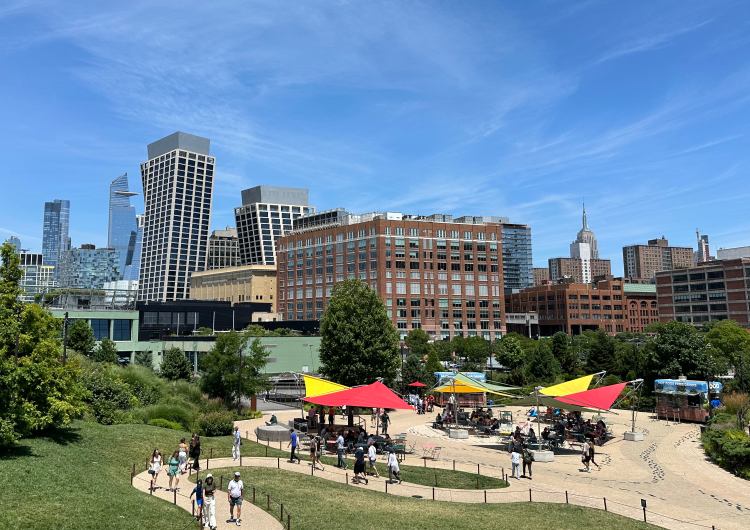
145	359
215	423
733	403
161	422
105	352
190	392
730	449
174	365
169	411
108	394
144	383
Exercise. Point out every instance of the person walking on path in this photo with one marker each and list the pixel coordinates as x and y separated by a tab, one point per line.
198	492
591	455
359	465
234	495
182	455
585	458
340	447
209	501
515	464
196	452
173	471
236	443
385	419
293	442
372	456
154	467
393	468
315	453
331	415
527	458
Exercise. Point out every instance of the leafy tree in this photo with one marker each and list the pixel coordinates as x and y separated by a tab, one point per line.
476	350
204	331
254	330
601	354
228	374
433	364
630	359
105	352
541	366
81	337
563	352
358	341
512	357
418	342
174	365
37	391
732	342
144	358
414	370
677	349
443	349
286	332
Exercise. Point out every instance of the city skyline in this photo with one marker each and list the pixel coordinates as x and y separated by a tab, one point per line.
504	110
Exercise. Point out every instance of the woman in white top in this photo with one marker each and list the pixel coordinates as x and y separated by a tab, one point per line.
182	455
393	468
155	465
372	456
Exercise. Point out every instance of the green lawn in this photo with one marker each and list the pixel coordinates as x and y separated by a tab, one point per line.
80	479
314	502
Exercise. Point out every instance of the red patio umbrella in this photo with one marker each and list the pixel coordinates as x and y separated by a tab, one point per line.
376	395
418	384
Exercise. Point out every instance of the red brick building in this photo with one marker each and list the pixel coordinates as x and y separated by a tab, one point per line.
611	305
437	273
714	290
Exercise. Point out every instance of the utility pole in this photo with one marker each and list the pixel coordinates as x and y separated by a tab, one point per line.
239	386
65	338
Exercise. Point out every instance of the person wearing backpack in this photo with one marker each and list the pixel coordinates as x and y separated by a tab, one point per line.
528	457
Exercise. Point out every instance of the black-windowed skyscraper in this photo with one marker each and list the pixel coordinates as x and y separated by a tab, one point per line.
178	181
55	232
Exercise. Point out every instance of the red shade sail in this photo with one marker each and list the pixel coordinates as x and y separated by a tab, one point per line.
597	398
376	395
418	384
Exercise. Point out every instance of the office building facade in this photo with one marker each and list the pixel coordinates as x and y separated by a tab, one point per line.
733	253
223	249
38	279
541	275
610	305
517	259
55	232
642	262
266	214
123	227
178	182
244	283
432	272
88	267
713	290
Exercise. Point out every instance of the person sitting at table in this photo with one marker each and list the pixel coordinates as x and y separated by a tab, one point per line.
532	436
545	433
517	433
439	421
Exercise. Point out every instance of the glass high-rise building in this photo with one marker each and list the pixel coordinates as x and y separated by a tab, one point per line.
55	232
15	241
88	267
518	267
38	278
178	183
266	214
123	229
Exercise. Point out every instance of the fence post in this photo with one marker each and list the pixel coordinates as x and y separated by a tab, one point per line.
266	450
454	465
279	445
192	507
288	522
253	494
643	505
278	463
132	474
386	485
477	481
312	469
424	461
151	487
566	496
605	504
478	470
485	496
436	478
221	482
268	502
529	494
174	496
347	477
433	494
282	513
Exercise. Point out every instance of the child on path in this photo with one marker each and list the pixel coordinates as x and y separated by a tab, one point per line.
198	492
515	463
173	471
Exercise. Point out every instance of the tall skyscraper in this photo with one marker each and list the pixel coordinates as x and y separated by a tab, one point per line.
16	242
178	182
703	254
123	229
583	265
266	214
55	232
517	260
133	266
642	262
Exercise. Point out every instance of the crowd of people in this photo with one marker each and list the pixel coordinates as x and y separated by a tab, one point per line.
178	463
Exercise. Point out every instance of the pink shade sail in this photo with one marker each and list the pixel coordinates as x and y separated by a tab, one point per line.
376	395
600	398
417	384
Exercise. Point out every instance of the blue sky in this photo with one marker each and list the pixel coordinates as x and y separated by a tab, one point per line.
521	109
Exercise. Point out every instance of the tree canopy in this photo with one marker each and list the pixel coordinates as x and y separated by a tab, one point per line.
358	341
418	342
105	352
81	337
174	365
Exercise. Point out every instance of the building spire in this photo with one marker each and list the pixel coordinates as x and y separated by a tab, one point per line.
585	221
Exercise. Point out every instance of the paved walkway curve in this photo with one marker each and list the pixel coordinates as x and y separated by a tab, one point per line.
252	516
668	469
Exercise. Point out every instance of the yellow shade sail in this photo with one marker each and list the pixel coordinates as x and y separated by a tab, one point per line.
315	386
465	388
568	387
